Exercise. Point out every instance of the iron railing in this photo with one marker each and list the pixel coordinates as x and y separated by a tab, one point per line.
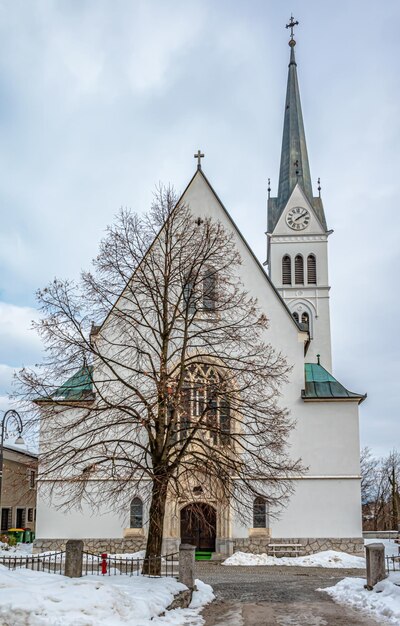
393	563
94	564
52	562
154	566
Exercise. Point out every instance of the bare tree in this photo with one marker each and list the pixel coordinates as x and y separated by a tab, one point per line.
176	384
380	490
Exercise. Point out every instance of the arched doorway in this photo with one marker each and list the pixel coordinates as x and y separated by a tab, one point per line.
199	526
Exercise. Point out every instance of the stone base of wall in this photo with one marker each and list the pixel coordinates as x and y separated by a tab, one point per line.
257	545
97	546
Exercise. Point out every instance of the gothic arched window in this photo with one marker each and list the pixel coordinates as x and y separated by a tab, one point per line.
136	520
296	316
311	269
203	400
305	320
299	270
286	270
259	513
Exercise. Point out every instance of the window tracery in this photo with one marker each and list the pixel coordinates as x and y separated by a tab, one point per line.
203	400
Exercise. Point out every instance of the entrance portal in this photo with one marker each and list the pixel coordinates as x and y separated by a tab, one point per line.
199	526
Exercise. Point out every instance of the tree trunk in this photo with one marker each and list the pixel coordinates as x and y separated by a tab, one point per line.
152	563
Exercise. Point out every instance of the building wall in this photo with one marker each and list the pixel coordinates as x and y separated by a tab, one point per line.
17	492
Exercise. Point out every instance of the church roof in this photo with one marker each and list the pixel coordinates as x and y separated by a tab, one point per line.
294	167
321	385
79	387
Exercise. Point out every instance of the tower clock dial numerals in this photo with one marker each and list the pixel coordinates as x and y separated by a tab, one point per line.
298	218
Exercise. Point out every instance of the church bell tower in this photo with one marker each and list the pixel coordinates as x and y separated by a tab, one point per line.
297	236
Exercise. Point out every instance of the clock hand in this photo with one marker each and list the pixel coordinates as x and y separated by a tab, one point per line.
300	216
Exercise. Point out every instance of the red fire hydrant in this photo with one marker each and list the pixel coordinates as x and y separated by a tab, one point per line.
103	564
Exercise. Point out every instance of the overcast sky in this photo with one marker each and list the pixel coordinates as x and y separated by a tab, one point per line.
100	100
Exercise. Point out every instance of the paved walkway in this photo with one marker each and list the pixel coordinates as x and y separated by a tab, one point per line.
276	596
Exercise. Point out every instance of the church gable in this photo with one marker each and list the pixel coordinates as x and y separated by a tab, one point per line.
204	202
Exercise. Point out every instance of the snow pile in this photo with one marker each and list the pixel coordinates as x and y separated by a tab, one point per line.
128	555
30	598
329	558
383	603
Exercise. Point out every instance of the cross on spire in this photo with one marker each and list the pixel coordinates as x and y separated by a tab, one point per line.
199	155
291	25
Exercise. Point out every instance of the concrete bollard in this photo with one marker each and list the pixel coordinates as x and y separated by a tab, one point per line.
376	570
73	558
186	564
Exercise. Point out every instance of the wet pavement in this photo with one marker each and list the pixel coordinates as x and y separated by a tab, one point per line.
276	596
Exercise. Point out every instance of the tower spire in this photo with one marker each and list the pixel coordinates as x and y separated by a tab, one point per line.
294	158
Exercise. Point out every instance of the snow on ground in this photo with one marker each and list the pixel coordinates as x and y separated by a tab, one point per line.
329	558
382	603
38	599
21	549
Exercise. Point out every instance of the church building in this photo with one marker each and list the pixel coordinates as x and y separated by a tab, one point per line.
324	511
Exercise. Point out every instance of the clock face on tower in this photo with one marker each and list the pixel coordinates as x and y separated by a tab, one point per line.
298	218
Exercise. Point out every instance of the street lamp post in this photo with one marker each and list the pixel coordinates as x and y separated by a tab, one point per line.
11	414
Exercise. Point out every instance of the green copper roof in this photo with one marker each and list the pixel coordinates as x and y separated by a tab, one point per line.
294	166
321	385
78	387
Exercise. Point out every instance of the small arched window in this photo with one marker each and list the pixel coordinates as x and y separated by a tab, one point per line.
305	320
299	270
136	513
311	269
296	316
286	270
209	290
259	513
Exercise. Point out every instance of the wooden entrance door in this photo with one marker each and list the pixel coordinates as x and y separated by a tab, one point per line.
199	526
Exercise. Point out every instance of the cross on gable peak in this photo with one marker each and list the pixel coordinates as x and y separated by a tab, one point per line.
199	155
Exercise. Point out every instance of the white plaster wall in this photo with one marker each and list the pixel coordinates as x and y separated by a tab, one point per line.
321	508
327	437
318	508
52	523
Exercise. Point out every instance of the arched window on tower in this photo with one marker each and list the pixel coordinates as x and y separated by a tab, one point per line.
305	320
259	513
136	513
296	316
299	270
286	270
311	269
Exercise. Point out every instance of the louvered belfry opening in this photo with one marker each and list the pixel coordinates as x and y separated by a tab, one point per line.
299	270
311	269
286	270
296	316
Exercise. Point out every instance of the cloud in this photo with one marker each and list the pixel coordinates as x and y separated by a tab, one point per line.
19	344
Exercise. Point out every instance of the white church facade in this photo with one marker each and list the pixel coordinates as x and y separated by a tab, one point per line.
324	511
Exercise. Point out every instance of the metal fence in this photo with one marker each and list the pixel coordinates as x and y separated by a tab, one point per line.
106	565
393	563
94	564
52	562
